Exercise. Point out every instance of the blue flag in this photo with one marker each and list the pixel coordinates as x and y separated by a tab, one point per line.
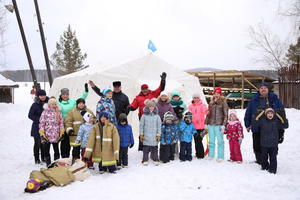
151	46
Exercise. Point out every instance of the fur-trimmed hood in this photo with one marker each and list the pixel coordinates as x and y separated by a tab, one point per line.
146	110
220	100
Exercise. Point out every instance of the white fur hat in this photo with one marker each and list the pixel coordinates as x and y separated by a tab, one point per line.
87	116
52	101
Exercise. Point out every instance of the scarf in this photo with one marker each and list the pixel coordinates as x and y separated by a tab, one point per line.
176	103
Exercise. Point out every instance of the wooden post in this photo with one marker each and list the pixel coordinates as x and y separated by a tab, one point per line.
214	81
243	90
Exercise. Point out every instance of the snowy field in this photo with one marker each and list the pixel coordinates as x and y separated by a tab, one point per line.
199	179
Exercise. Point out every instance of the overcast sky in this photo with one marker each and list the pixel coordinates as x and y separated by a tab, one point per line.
187	33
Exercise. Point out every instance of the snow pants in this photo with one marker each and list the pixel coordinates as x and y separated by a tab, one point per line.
65	146
110	169
269	153
185	151
47	152
37	147
123	156
89	163
235	150
256	146
198	144
154	153
166	152
215	133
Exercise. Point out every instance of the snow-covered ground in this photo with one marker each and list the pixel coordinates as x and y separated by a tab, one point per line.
199	179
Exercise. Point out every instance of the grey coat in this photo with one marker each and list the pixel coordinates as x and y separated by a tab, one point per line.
150	126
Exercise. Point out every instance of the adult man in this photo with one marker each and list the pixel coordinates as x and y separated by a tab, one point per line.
261	101
138	102
120	99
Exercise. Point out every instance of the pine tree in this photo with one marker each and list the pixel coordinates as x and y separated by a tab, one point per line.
68	57
293	52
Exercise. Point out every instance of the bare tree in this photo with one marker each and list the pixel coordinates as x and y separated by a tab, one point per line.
271	49
291	10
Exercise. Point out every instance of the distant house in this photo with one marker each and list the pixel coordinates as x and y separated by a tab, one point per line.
7	87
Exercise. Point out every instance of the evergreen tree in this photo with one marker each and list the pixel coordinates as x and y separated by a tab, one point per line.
68	57
293	52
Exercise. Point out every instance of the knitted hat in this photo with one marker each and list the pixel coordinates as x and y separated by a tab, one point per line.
87	116
33	185
117	83
150	102
52	101
105	91
41	93
232	112
144	86
217	90
262	84
188	114
123	117
104	114
64	91
169	116
196	95
175	94
80	100
269	110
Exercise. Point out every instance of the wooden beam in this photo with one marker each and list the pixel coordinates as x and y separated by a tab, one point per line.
214	81
250	83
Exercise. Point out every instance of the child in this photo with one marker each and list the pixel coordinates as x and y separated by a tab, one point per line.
103	144
234	132
269	126
51	128
106	104
126	139
163	106
178	105
187	129
199	110
169	137
83	135
150	131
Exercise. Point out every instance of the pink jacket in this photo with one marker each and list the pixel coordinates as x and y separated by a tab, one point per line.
234	130
51	125
199	111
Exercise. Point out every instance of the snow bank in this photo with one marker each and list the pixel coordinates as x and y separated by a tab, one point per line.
198	179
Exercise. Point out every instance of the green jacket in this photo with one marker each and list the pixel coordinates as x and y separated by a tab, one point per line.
68	105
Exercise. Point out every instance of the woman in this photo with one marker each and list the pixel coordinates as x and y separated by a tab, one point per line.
163	106
34	114
216	120
66	105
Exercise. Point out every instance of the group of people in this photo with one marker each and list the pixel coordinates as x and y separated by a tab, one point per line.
165	121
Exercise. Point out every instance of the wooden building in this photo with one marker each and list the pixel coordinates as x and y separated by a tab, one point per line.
7	87
238	86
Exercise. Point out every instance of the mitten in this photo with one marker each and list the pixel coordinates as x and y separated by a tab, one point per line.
142	137
222	129
62	131
163	76
71	132
240	141
86	87
42	132
157	138
131	145
86	159
44	140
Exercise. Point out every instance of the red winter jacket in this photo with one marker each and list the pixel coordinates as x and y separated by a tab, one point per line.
199	111
234	130
139	100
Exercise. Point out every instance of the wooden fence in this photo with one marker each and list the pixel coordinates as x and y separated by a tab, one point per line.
289	86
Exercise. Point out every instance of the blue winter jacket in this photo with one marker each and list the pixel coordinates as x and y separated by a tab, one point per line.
126	135
169	134
256	104
186	132
83	134
34	114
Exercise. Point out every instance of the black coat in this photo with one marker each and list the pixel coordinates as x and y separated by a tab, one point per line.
34	114
120	99
269	131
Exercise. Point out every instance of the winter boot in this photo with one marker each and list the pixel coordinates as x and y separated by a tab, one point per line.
37	160
258	158
48	161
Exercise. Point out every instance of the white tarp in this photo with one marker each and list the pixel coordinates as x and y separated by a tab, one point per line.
132	74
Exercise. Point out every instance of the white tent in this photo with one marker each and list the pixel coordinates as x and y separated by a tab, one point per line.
132	74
